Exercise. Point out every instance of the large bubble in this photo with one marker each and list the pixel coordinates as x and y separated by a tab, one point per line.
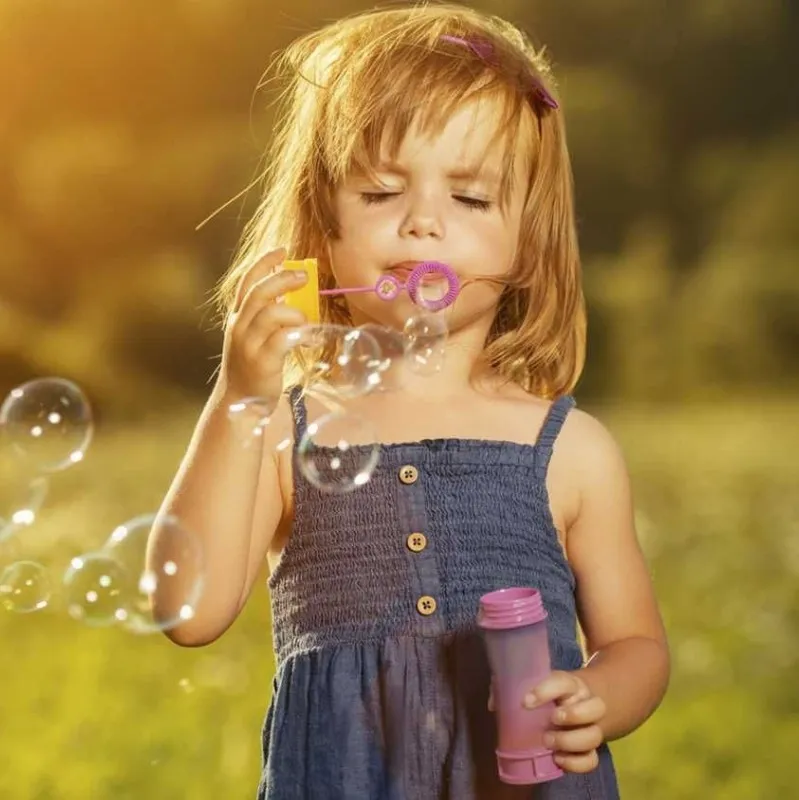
347	361
175	568
338	452
47	423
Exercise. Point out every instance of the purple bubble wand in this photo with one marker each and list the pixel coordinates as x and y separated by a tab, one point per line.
388	287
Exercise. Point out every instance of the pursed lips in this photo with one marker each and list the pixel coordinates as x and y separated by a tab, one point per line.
404	269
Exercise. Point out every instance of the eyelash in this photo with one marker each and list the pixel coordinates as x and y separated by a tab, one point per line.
472	203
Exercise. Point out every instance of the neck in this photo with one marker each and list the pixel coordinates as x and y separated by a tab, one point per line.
453	371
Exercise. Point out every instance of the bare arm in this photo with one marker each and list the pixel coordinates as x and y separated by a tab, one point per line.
629	663
213	497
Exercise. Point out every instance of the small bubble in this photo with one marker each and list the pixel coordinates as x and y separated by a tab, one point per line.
97	589
425	342
24	587
392	349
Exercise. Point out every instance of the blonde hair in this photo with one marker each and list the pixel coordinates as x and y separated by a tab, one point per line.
373	75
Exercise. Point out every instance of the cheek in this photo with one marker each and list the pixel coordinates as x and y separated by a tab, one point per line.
495	242
359	227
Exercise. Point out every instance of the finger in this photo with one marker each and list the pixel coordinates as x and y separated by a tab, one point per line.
582	762
266	291
260	269
268	320
558	684
574	740
577	697
274	350
581	712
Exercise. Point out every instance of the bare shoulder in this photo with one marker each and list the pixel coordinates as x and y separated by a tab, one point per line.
592	450
583	449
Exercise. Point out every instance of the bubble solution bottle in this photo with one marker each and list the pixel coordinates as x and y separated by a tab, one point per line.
514	628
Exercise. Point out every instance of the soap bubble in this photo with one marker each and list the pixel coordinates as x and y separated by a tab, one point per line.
328	459
251	415
425	341
24	587
392	351
48	423
346	360
98	589
21	499
176	568
254	422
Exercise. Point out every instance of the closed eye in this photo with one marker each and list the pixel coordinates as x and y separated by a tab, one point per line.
474	203
374	198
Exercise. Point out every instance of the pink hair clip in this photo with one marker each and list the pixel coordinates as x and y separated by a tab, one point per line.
484	50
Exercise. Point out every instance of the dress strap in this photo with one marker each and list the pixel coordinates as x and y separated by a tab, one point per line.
299	413
553	422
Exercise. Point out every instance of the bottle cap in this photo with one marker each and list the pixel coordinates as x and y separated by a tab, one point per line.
511	608
527	767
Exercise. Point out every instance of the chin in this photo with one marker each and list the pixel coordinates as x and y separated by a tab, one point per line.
378	312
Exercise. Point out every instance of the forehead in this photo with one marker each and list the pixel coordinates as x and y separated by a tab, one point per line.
471	136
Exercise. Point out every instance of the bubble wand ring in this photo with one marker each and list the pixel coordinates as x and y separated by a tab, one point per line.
432	268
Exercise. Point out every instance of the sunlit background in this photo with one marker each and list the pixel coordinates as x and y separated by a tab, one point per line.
124	125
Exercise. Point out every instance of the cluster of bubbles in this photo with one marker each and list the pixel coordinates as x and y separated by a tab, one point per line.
341	364
46	427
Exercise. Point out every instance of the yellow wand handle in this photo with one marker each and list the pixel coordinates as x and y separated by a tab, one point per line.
306	298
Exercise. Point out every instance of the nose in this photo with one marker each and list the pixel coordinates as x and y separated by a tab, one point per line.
423	219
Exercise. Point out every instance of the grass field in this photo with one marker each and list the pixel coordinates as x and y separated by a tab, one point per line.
100	713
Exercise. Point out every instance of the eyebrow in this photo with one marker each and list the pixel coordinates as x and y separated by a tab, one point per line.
459	173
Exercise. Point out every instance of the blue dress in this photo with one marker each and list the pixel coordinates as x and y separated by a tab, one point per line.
381	683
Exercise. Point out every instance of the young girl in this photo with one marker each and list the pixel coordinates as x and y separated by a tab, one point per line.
416	134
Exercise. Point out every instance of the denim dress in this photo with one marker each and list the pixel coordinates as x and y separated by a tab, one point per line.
382	679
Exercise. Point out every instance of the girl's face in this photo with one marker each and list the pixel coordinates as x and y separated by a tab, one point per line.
438	200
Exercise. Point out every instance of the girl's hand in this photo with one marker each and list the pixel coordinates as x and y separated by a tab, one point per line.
575	735
260	331
576	732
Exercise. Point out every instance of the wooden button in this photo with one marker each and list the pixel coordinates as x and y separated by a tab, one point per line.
408	474
426	605
417	542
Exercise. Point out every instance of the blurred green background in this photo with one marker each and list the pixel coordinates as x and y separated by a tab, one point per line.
125	125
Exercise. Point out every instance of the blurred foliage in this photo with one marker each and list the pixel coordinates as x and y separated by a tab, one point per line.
123	126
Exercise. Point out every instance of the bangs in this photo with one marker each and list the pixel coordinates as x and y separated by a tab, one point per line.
371	99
